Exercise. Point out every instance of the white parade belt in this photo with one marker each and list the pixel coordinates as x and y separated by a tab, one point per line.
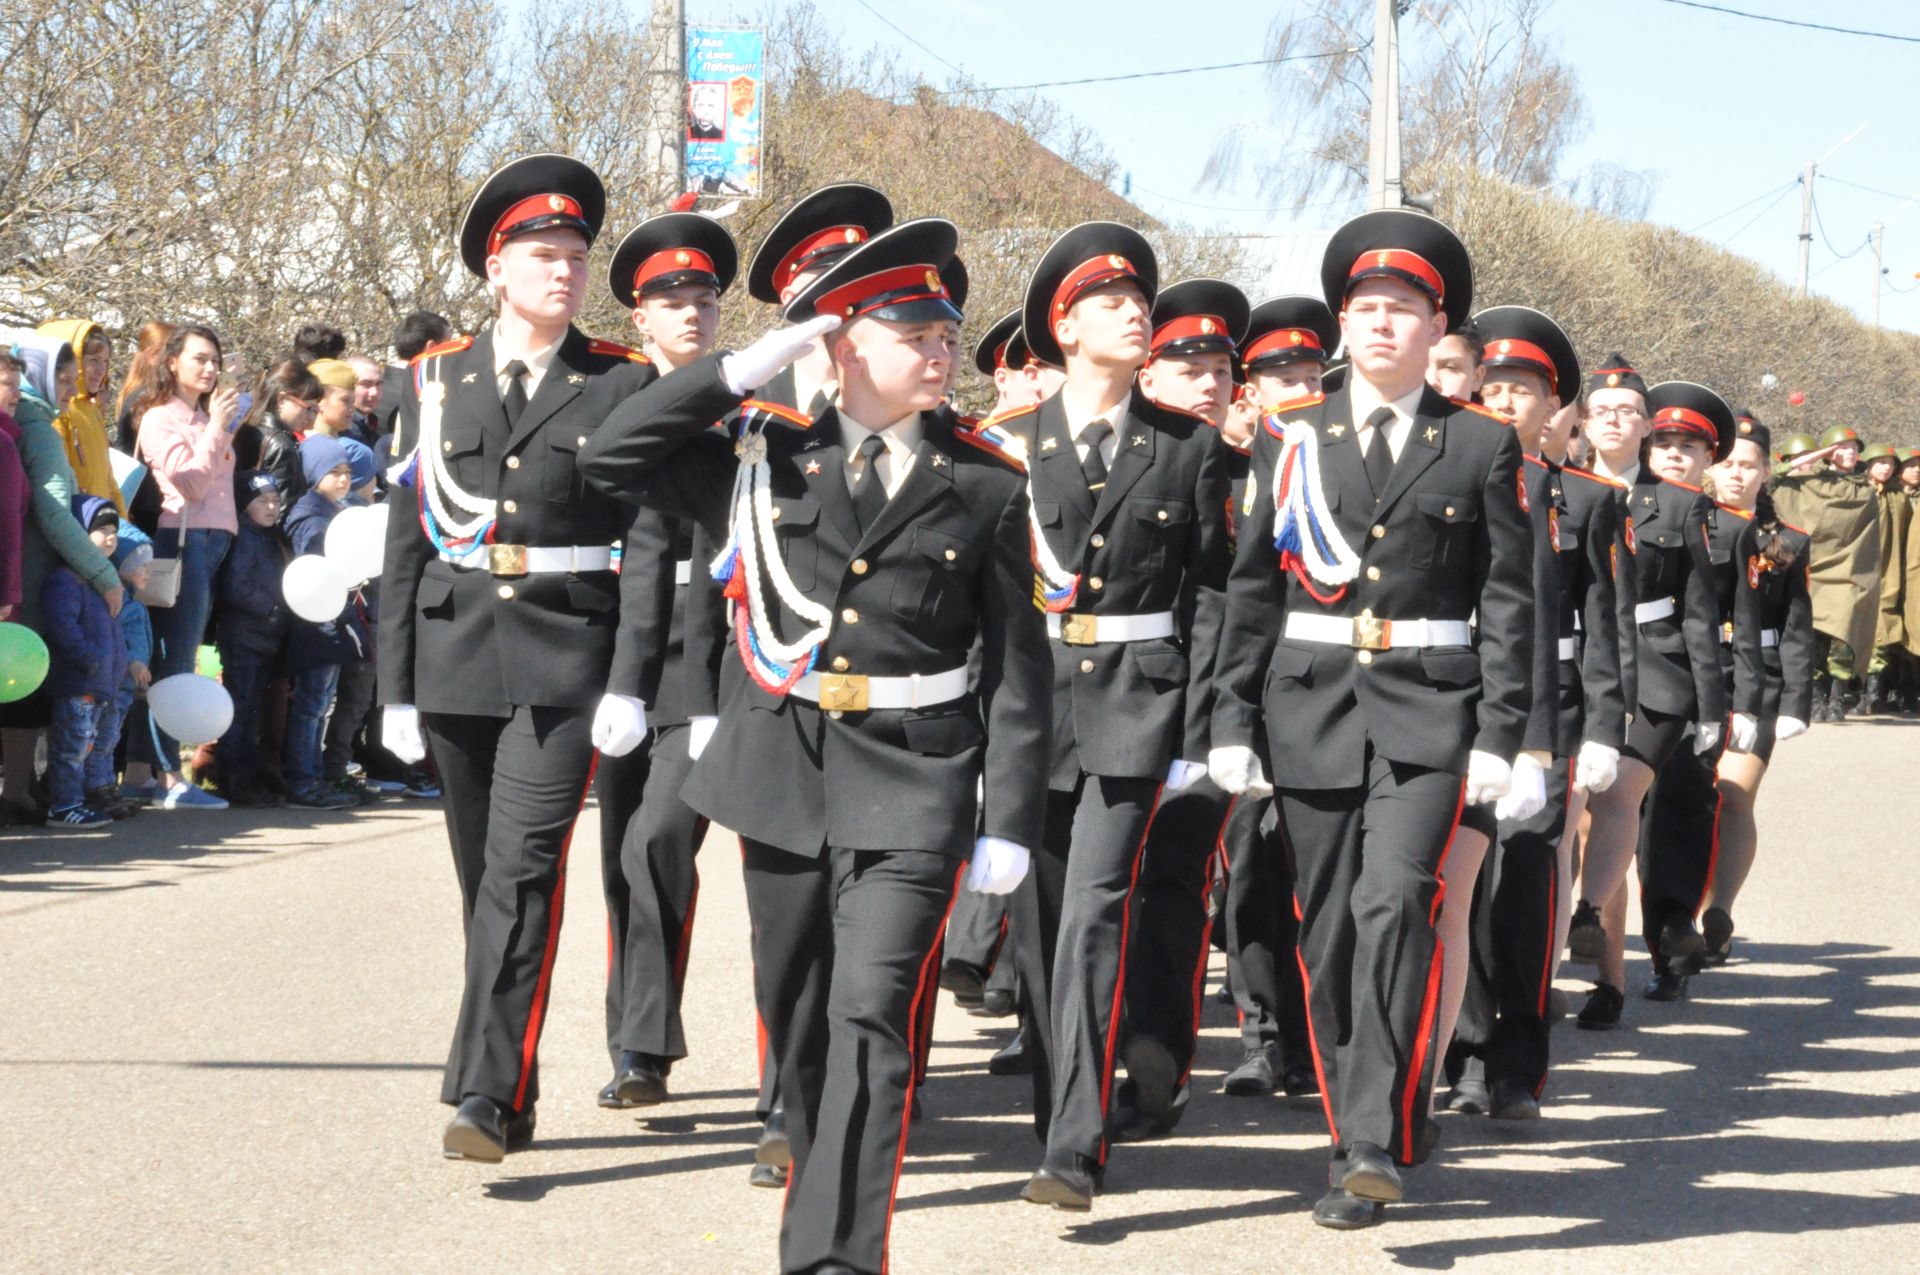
1367	632
526	560
1769	638
683	572
1085	630
1658	609
858	693
1569	648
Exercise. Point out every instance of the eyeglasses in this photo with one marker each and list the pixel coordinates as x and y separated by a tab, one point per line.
1620	413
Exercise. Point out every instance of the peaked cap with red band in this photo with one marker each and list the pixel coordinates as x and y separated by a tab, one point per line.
1748	426
1399	243
1289	329
668	251
1198	316
823	227
1091	255
1616	374
896	276
1692	409
995	349
533	193
1518	336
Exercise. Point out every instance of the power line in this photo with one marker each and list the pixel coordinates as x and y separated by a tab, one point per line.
1150	75
1793	22
1754	220
1871	190
1824	238
1750	203
909	39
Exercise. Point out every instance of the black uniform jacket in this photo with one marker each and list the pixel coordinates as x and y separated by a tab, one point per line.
1543	708
1732	545
1153	540
946	563
1785	607
461	640
1677	664
1446	539
1592	602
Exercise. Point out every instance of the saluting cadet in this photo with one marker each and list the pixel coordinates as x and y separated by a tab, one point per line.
670	272
1197	325
1780	702
869	550
1289	340
1839	506
507	641
1129	529
1378	520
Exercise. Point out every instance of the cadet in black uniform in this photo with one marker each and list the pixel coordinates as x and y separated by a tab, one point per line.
1383	517
1128	506
507	640
849	755
670	272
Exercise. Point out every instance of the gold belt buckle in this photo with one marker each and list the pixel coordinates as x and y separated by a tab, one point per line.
1077	630
843	692
507	560
1370	633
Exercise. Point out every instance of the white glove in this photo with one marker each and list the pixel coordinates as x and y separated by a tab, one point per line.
1488	778
400	733
1743	733
1597	766
1788	727
1707	737
998	866
1183	775
619	724
699	734
1526	796
747	370
1236	770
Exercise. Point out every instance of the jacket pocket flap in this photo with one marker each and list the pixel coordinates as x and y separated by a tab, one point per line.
434	591
1159	662
1451	668
1047	512
462	440
1291	661
941	734
597	592
1159	511
1444	508
795	511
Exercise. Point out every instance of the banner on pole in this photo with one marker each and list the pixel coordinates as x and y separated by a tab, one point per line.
726	107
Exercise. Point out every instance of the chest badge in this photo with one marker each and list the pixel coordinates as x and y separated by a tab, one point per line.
1138	440
469	378
939	461
1049	444
574	378
1336	430
1430	434
813	467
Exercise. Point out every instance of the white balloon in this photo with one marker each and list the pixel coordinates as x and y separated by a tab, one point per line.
315	588
191	708
356	542
1769	382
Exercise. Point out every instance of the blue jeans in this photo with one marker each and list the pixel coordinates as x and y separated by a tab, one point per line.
245	674
72	744
177	629
307	709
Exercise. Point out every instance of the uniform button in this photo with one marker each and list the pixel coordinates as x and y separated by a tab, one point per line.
1161	515
1449	511
447	446
776	513
1379	533
1366	657
1097	584
510	507
850	615
513	462
841	664
1373	573
505	591
859	566
835	714
1098	541
951	555
1086	666
580	441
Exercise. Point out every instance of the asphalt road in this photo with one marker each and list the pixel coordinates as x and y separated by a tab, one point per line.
224	1032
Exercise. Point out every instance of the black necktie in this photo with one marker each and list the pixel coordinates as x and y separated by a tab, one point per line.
1094	465
1379	457
870	497
516	400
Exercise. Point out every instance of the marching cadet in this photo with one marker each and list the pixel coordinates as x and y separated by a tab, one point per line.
1377	521
1780	702
1289	340
869	550
1197	325
1839	507
1128	505
1679	697
507	641
670	272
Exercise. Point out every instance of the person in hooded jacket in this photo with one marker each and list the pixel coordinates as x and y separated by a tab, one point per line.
82	422
88	657
315	652
252	632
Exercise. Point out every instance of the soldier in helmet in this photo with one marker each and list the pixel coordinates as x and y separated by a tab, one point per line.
1839	507
1882	462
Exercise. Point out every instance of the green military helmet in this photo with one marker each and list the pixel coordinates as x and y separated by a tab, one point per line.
1878	451
1797	445
1837	434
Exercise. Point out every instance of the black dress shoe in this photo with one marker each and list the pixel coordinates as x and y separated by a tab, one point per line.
519	1130
1339	1210
967	982
773	1149
1154	1076
609	1096
1011	1060
1469	1096
1666	985
1127	1123
768	1175
1601	1013
640	1080
1679	941
1717	931
1299	1080
1368	1172
1066	1181
1586	937
1511	1101
1255	1076
997	1002
476	1132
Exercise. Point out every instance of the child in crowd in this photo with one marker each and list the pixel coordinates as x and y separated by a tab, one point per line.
133	559
315	652
353	698
253	627
87	659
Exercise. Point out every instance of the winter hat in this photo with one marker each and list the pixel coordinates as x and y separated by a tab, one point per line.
320	456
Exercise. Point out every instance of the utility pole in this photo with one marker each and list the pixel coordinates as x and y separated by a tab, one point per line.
1879	237
1806	221
1383	132
667	131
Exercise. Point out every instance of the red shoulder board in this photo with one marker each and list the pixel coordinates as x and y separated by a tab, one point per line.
1270	416
1683	486
1738	513
451	346
1181	411
1590	476
996	443
966	422
1001	418
792	417
1533	460
1480	410
1801	530
613	349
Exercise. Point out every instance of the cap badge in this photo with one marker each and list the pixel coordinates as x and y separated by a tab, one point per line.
1674	415
1294	338
1382	258
1746	427
1613	380
1506	347
933	281
557	203
683	257
1118	262
1208	327
853	234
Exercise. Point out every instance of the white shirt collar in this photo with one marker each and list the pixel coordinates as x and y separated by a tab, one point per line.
1366	400
538	361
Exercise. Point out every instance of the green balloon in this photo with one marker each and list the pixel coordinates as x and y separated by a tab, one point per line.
23	662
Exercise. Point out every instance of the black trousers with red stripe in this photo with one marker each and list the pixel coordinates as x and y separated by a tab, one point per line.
1168	948
1367	863
1503	1011
862	928
1263	935
648	841
1075	907
513	788
1679	841
978	931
